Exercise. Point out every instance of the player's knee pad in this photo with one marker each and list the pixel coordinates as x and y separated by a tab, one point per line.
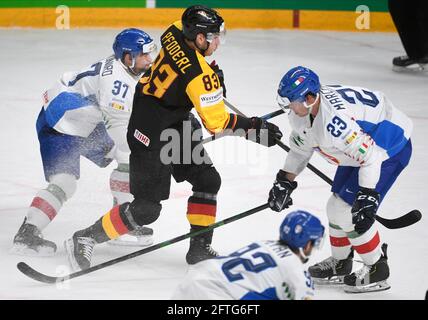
63	186
144	211
339	212
207	180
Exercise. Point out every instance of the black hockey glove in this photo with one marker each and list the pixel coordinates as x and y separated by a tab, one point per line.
279	195
364	209
266	133
220	75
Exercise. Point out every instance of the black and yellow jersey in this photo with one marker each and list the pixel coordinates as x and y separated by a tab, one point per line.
180	79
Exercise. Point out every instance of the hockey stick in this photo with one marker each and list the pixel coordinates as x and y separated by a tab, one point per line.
265	117
30	272
397	223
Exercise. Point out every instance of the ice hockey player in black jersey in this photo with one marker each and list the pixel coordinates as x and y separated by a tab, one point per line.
179	80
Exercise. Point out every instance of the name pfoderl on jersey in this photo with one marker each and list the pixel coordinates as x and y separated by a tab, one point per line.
174	50
108	67
333	98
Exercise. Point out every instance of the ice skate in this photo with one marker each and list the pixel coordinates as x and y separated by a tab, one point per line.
79	251
140	237
331	271
369	278
406	64
29	241
200	249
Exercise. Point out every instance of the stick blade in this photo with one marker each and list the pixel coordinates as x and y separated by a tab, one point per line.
35	275
404	221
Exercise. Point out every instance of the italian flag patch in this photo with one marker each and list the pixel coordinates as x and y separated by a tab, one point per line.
363	148
297	82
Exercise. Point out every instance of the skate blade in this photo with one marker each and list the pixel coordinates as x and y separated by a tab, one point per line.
333	281
23	250
131	241
374	287
69	249
416	68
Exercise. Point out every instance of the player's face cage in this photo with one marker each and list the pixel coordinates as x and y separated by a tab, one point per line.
319	243
283	102
151	50
286	104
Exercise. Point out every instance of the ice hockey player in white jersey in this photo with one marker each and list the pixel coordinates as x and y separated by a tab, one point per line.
86	113
361	132
263	270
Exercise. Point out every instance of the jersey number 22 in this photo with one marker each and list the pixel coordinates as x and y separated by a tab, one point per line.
249	264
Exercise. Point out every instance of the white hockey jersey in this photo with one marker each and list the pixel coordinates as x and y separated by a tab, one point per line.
263	270
80	100
354	127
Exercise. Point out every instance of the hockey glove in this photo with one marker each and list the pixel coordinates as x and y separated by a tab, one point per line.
279	195
364	209
266	133
220	75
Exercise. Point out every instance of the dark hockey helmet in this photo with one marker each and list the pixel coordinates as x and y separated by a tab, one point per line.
200	19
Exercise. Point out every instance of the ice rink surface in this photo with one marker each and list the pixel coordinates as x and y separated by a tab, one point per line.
253	63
